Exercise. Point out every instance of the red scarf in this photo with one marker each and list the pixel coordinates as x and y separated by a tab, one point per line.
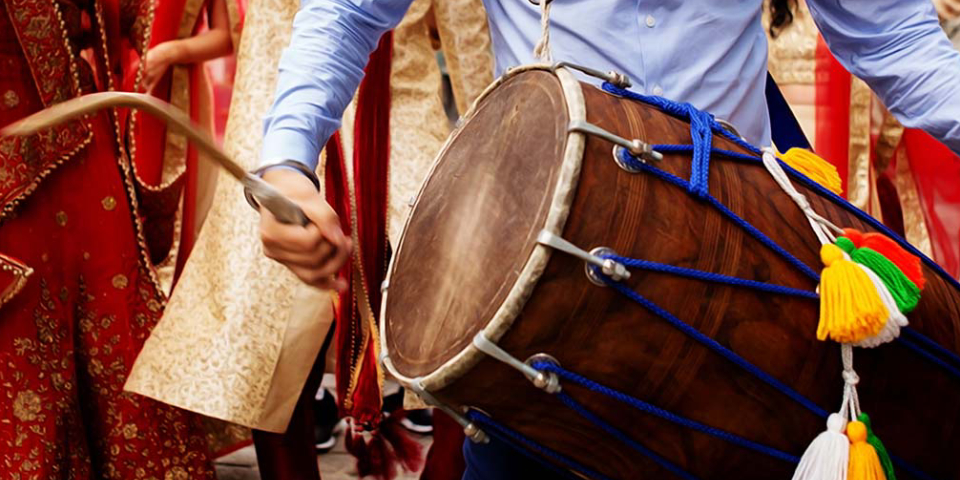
358	373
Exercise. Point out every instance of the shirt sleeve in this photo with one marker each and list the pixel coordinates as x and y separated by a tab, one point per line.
320	71
899	49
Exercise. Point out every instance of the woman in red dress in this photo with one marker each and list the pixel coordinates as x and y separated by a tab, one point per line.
175	186
77	294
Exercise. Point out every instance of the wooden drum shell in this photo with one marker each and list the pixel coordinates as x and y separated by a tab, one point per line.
598	333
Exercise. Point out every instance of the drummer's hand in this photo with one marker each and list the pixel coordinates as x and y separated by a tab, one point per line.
314	253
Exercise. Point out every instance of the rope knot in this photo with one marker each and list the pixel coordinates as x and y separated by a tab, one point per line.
850	377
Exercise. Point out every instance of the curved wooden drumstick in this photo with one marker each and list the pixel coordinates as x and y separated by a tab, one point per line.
262	192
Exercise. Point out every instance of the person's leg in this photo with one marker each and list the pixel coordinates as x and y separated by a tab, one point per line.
445	457
291	455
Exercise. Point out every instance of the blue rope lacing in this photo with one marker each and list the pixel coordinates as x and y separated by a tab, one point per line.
659	412
702	128
516	439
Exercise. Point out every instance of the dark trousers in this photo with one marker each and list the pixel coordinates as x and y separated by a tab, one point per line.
292	455
498	461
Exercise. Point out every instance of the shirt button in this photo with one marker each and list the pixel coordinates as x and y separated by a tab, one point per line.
651	21
657	90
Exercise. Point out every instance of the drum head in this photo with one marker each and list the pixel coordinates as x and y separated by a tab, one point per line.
475	222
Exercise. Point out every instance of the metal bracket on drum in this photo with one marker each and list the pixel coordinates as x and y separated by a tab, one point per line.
615	78
729	127
470	429
610	268
636	147
542	380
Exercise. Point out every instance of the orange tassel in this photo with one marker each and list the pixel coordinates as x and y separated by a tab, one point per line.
864	462
908	263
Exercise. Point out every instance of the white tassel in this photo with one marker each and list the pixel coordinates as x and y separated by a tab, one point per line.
827	456
891	330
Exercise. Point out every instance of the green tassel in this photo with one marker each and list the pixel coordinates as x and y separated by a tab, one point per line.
874	441
905	292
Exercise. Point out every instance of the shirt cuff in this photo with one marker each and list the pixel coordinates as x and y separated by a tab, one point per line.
285	145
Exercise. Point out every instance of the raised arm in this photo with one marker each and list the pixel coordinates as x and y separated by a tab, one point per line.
899	49
320	71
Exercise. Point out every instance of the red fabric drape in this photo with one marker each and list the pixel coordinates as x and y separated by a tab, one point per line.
357	371
936	171
832	111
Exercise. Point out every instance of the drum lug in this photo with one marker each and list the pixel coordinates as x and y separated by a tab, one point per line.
610	268
539	379
470	429
636	147
621	163
547	381
729	127
615	78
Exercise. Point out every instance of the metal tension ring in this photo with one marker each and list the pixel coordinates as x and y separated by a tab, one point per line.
609	268
621	163
547	381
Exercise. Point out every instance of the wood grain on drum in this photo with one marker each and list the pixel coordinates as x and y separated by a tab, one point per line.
476	222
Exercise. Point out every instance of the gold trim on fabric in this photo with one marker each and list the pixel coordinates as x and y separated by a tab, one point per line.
84	125
891	132
236	23
914	222
859	191
20	272
792	53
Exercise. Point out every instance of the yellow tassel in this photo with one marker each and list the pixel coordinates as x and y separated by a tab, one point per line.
864	462
814	167
850	307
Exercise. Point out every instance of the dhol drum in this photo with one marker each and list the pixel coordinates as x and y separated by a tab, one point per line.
642	372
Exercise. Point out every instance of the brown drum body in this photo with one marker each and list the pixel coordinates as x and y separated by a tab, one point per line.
475	225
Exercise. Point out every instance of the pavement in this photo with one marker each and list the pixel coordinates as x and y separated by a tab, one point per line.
336	464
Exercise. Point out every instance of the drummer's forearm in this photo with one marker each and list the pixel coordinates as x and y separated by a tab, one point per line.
899	49
319	72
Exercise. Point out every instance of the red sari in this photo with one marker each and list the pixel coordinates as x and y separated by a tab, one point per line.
174	184
77	298
914	183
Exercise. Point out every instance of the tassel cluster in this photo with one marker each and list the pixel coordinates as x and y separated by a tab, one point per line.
814	168
848	451
868	284
380	451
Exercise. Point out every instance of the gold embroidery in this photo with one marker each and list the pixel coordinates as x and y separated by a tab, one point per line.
793	52
153	305
11	99
62	218
26	161
20	273
176	473
120	281
27	406
109	203
45	257
86	255
129	431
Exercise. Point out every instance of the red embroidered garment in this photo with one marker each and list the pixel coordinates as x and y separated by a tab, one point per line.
84	300
167	170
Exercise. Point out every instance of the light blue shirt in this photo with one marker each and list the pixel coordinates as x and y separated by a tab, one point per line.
710	53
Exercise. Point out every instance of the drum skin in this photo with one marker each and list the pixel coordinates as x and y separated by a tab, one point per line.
596	332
